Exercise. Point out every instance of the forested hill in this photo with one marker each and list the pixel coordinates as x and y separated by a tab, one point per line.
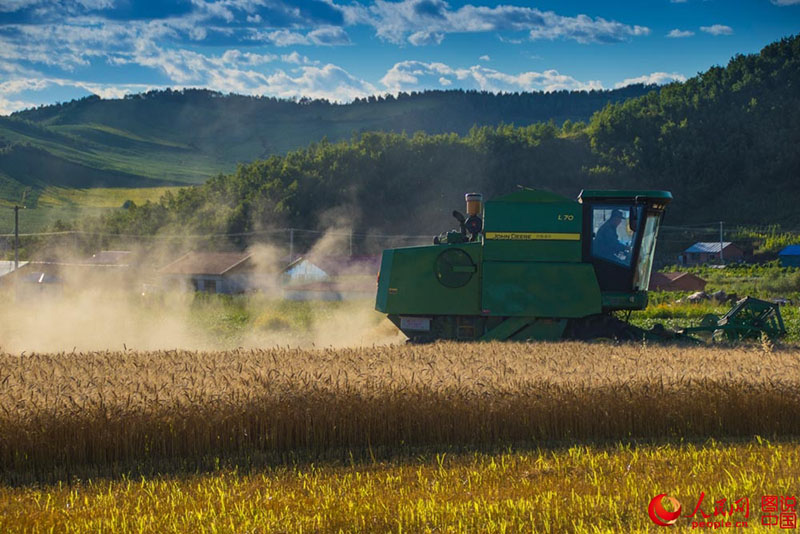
725	143
187	136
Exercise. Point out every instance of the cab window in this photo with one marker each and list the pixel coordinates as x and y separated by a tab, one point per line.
612	235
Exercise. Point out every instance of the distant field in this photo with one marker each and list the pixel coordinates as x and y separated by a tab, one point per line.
67	205
41	219
101	197
552	490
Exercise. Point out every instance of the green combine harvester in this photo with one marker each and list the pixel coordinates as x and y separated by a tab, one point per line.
534	265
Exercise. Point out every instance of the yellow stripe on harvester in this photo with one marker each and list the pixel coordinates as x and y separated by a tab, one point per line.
533	236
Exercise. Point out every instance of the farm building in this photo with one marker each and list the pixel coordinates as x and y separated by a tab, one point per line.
790	256
676	281
7	267
213	272
99	270
706	252
328	267
331	278
304	270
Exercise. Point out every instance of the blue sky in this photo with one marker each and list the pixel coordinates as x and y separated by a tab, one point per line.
342	49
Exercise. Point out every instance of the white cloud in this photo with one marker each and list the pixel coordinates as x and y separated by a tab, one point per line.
284	38
586	30
297	59
325	36
9	6
7	107
785	2
329	36
444	81
717	29
246	58
330	82
676	33
677	1
485	58
422	38
658	78
413	75
395	21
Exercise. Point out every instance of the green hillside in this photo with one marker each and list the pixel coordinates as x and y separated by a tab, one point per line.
173	137
725	142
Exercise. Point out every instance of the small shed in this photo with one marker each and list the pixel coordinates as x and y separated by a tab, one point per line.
303	270
677	281
319	269
212	272
705	252
331	278
790	256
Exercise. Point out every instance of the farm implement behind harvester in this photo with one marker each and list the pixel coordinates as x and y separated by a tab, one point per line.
749	318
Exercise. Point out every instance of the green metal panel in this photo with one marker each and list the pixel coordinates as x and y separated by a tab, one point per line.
531	195
505	329
542	329
384	275
624	300
625	193
547	231
540	289
410	281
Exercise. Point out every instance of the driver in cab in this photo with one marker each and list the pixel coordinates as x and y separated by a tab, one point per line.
606	241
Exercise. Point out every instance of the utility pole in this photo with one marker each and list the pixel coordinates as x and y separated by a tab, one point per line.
16	237
721	244
291	245
351	242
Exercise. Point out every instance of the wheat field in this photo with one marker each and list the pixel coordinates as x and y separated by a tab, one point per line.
581	489
77	414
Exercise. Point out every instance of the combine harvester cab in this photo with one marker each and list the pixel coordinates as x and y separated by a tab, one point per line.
528	265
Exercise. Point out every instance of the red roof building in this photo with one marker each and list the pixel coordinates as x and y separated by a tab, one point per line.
676	281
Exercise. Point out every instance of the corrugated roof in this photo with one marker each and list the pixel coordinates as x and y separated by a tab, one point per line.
670	276
210	263
710	247
791	250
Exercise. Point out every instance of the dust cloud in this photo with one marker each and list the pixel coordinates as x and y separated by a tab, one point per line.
64	304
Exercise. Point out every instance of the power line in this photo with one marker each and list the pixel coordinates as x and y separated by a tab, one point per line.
237	234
